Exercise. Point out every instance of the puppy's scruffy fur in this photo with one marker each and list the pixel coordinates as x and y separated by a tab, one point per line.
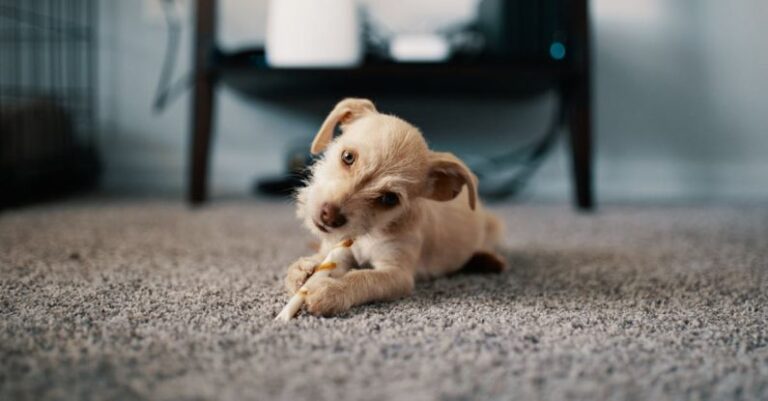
414	213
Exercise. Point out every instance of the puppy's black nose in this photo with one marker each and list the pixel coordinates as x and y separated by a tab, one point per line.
331	216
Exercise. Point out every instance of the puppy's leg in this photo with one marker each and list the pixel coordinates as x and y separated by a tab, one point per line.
485	262
299	271
331	296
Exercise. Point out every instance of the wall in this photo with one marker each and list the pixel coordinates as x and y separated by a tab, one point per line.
680	96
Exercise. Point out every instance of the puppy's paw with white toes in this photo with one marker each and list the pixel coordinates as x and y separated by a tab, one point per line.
298	274
326	297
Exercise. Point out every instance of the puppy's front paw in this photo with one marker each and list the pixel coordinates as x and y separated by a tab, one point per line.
326	297
298	274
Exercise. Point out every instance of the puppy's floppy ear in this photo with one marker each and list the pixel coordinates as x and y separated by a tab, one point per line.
345	112
447	175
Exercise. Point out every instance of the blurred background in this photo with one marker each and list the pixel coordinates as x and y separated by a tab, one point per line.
97	93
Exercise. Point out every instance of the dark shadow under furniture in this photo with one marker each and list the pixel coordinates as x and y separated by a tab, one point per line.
477	76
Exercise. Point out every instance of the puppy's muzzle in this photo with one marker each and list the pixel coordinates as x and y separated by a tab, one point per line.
331	216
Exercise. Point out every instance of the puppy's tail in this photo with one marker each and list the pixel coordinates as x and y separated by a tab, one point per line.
494	231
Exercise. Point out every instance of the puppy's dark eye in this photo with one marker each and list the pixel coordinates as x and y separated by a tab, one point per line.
348	157
389	199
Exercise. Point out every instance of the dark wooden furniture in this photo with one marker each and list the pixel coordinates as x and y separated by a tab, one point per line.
248	71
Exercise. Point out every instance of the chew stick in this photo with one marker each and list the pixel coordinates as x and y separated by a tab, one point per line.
335	264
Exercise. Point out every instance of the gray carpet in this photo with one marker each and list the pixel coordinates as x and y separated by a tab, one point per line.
149	300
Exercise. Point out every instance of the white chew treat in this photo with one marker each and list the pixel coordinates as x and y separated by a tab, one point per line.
335	264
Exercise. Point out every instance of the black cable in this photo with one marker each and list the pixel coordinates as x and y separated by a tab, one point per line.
167	92
528	157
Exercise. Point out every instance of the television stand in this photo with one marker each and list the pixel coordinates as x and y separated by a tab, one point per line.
249	72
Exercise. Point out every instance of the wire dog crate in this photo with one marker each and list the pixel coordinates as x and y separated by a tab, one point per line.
48	83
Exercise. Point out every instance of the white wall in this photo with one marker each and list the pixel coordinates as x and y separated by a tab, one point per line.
681	88
680	106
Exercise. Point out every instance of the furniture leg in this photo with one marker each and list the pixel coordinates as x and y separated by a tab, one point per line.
580	111
580	129
202	101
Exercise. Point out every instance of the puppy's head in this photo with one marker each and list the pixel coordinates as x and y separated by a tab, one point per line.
372	173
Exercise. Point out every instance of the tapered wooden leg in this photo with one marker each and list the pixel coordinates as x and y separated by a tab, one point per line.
202	101
201	141
579	98
580	127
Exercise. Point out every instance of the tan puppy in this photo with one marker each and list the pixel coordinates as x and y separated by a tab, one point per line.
413	213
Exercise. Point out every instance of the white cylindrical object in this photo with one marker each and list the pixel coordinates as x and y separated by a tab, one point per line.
335	264
297	300
313	33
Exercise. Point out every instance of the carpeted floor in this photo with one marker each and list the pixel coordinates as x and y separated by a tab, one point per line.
149	300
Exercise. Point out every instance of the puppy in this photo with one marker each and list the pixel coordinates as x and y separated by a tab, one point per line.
414	213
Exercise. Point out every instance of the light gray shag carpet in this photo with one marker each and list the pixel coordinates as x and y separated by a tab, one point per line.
150	300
